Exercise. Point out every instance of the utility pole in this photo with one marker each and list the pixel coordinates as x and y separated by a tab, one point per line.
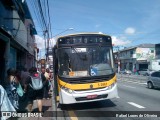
44	34
119	63
47	46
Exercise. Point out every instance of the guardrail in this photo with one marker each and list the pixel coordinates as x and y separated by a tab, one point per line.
139	78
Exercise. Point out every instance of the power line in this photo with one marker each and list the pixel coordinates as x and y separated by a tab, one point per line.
36	14
41	12
49	18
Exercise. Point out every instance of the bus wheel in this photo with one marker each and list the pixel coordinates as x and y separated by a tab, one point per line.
62	106
150	85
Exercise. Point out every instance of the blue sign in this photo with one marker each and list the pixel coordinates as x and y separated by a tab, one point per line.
93	71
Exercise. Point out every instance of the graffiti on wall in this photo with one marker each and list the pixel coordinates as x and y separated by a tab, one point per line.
145	53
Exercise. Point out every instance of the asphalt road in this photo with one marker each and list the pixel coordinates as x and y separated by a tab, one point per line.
134	96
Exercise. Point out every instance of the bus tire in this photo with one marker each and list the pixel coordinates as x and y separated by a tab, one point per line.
62	106
150	85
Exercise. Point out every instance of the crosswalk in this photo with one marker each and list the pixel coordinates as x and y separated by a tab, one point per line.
132	81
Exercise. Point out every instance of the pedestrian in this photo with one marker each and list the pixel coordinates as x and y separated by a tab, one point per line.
24	75
135	71
48	74
5	104
46	85
49	81
32	93
11	87
18	74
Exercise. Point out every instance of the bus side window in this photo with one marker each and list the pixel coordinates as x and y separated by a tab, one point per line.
85	40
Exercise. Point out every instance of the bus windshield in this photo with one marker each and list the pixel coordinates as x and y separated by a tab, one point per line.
85	62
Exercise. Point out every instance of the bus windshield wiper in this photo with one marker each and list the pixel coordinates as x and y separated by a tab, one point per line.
80	56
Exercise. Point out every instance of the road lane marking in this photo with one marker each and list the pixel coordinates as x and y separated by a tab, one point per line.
135	82
72	115
129	86
136	105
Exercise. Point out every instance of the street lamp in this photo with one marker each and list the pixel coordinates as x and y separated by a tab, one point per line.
63	31
47	54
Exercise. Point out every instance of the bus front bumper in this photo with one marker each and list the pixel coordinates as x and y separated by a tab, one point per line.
88	96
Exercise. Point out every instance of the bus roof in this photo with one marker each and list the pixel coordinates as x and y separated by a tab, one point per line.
85	33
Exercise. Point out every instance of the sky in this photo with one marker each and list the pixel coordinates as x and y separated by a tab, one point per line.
129	22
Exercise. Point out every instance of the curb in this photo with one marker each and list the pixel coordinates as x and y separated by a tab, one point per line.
54	106
55	109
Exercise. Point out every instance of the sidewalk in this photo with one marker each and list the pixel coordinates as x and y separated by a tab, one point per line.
48	108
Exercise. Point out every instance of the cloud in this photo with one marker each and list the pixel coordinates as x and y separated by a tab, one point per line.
130	30
122	41
53	42
40	42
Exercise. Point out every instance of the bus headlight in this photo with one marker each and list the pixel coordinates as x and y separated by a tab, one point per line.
67	90
111	86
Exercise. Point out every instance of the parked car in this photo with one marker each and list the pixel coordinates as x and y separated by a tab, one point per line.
128	72
145	72
125	72
154	80
122	72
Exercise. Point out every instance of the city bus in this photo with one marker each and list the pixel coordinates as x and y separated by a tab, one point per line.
84	68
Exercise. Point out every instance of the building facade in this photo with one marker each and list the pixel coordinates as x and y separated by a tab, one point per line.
17	42
157	49
137	57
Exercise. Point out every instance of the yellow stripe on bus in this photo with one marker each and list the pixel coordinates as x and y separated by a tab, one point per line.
87	85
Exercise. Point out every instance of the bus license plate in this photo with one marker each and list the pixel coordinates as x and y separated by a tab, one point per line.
91	96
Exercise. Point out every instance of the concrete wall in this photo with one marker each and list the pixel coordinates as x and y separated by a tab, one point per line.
5	14
22	33
23	41
132	58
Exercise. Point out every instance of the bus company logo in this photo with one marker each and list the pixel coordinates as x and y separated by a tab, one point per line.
6	114
91	86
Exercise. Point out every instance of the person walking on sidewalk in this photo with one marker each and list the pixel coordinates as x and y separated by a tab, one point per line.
11	87
49	76
32	93
46	85
24	75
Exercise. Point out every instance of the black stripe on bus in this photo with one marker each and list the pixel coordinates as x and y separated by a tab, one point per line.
84	80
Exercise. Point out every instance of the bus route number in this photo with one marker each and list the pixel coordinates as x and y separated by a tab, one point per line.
102	84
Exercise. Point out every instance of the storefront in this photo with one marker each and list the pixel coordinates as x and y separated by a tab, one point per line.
4	40
142	64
